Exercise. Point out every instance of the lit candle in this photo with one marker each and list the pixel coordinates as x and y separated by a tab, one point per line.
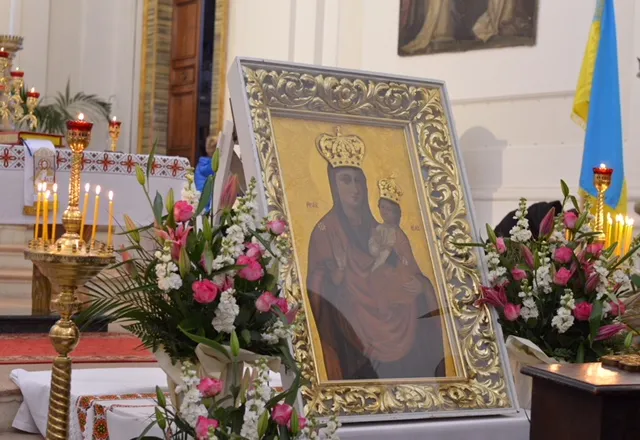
110	227
54	218
45	217
32	93
619	233
629	237
38	209
608	239
95	214
85	206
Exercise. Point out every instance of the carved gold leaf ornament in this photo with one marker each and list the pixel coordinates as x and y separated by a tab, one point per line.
419	109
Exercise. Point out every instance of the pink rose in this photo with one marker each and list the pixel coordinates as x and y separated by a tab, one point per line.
511	312
281	414
254	250
562	276
570	220
205	291
500	246
283	305
518	274
302	422
209	387
563	255
252	270
583	310
277	227
265	301
202	427
618	308
182	211
528	257
609	331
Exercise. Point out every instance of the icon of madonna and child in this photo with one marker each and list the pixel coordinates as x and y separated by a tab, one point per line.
376	313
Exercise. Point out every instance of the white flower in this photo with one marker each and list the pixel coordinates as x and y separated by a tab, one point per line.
226	312
189	192
329	432
191	407
166	270
563	320
257	397
520	232
276	332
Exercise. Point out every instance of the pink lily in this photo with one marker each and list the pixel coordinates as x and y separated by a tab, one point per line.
546	226
528	257
177	236
609	331
496	297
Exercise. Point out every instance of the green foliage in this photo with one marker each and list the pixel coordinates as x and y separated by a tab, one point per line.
53	117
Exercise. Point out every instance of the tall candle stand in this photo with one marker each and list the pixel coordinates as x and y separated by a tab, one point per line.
16	102
32	102
602	182
68	263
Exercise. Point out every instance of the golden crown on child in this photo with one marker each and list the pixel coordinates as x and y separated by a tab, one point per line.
390	190
340	150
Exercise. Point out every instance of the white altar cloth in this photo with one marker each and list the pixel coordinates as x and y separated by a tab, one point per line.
112	171
35	387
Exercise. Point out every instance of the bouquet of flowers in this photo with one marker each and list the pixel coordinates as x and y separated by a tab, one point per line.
197	282
563	291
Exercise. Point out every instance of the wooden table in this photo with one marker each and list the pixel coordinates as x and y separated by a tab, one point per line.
584	402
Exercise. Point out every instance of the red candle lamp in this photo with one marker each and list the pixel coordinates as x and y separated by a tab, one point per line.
3	53
17	73
602	170
33	94
80	124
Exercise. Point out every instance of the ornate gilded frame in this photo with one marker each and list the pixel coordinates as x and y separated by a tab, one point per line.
153	103
260	89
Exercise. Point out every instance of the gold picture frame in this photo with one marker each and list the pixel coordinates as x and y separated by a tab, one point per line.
153	103
399	132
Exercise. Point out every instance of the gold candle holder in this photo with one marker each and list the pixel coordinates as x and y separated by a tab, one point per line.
68	263
15	101
602	182
30	119
114	133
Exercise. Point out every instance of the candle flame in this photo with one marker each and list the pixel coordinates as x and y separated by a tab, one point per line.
609	218
603	166
33	89
110	196
47	194
1	49
87	187
17	68
97	189
55	188
629	221
40	187
620	218
80	116
114	119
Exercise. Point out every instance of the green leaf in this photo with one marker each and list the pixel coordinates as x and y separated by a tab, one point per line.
184	263
574	202
140	175
208	342
263	424
635	279
284	433
580	354
162	401
205	197
157	208
628	340
151	159
215	161
295	422
235	344
161	419
246	336
207	230
565	189
491	234
208	258
170	201
595	320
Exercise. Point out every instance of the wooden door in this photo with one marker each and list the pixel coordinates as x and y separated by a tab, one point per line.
186	37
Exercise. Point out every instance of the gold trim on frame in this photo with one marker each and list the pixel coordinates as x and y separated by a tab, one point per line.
153	102
481	382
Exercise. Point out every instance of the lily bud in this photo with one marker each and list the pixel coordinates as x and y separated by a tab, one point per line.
528	257
294	422
183	262
132	229
263	424
140	175
546	227
215	161
235	344
170	201
229	193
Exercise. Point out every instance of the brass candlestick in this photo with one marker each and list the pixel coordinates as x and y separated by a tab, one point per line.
15	101
602	182
114	133
32	102
68	263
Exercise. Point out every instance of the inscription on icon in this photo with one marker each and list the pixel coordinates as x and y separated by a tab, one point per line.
415	227
311	205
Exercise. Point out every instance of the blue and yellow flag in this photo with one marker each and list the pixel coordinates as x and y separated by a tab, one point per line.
597	108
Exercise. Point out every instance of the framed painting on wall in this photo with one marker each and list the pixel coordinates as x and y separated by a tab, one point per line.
366	171
434	26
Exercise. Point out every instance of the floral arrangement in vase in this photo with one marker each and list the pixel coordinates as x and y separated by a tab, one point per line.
200	290
563	291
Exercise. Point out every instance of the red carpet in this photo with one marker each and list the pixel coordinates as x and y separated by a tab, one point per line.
93	348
